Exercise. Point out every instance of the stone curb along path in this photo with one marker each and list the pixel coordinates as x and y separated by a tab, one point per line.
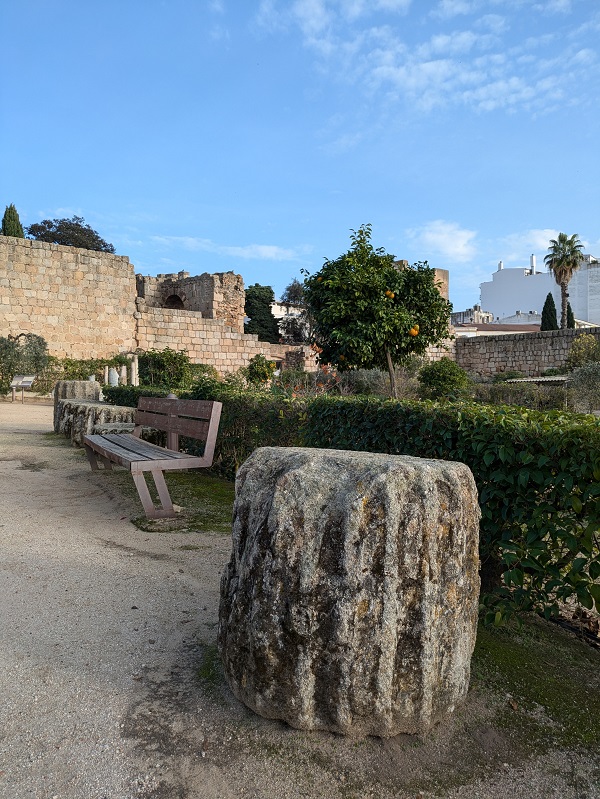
111	687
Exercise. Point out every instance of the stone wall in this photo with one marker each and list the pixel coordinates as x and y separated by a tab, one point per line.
81	301
208	341
530	353
84	304
216	296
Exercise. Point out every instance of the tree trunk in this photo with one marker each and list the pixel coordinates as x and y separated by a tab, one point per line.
564	295
392	371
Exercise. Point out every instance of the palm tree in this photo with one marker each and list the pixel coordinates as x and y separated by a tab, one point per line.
564	257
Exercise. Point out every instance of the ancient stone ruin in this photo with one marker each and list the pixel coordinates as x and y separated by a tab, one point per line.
350	600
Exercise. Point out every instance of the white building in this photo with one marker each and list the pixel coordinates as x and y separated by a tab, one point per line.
519	291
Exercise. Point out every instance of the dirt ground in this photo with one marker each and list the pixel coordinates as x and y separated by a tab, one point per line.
111	684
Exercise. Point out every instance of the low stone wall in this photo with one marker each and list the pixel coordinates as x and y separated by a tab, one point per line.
529	353
76	418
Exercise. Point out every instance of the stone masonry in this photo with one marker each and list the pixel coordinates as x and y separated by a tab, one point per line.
218	296
529	353
89	304
81	301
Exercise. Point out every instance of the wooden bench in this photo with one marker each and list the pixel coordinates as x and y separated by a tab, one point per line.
196	419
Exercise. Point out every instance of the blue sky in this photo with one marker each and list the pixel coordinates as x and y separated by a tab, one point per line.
253	135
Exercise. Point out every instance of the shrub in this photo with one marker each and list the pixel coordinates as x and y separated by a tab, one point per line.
525	395
169	368
249	419
509	374
584	349
584	383
128	396
74	369
259	371
442	379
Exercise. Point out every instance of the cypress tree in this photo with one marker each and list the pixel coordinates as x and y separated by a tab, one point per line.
570	317
11	224
258	308
549	321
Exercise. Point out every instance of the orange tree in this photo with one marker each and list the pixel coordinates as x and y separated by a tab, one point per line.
369	311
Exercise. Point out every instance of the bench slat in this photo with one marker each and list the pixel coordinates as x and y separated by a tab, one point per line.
147	458
193	428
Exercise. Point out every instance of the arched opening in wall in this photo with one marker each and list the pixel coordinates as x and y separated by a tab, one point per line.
174	301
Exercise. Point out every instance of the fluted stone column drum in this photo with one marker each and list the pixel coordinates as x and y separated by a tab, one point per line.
350	600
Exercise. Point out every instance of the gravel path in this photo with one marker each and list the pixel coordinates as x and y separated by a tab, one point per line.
110	684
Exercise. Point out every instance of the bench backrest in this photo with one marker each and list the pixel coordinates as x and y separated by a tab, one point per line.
197	419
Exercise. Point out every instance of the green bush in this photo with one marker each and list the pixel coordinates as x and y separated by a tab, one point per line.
169	368
584	349
128	396
259	371
74	369
525	395
584	383
249	419
509	374
443	379
538	477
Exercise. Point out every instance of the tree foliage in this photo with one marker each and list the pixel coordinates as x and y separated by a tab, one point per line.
69	232
584	349
258	308
549	321
259	371
563	258
25	354
11	224
570	317
293	293
370	312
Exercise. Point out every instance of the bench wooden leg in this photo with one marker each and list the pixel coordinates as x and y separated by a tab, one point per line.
152	512
93	456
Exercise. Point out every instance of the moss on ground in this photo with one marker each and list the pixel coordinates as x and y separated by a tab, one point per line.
550	681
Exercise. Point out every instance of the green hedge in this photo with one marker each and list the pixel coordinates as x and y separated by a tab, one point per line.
538	476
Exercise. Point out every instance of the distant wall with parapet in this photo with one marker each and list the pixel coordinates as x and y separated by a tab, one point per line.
217	296
84	304
529	353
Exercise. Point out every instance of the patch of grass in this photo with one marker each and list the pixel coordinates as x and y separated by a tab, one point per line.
550	681
206	502
210	671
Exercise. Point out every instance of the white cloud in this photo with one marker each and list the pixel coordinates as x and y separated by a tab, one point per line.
483	65
447	9
554	7
517	247
447	239
264	252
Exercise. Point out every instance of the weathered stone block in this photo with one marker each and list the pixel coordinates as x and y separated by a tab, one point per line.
350	600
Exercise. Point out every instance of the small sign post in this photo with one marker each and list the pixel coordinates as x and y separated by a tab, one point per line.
22	382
